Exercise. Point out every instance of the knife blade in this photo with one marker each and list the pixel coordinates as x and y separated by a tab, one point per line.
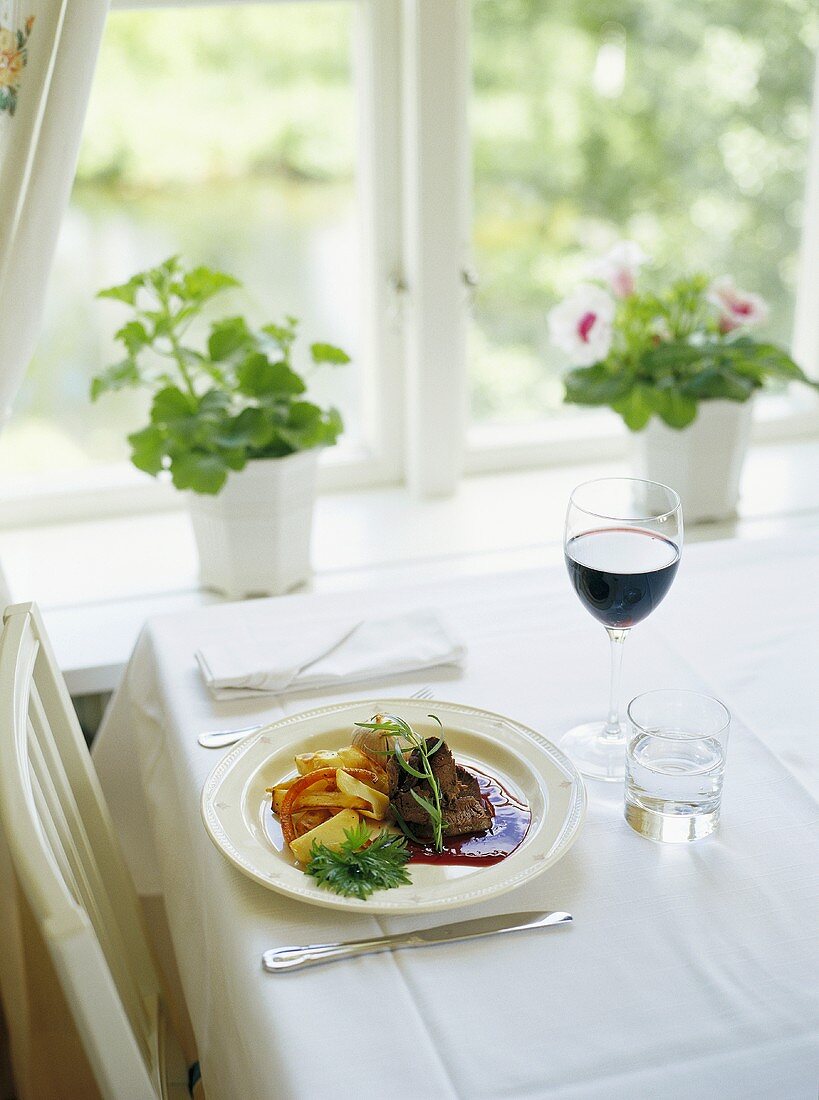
287	959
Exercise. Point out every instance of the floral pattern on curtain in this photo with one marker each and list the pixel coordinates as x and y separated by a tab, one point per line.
13	59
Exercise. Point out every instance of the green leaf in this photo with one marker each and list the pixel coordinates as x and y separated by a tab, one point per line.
200	471
280	338
227	337
328	353
125	292
162	278
274	446
250	428
257	377
283	334
202	283
172	407
161	321
635	407
213	404
303	426
308	426
133	336
116	377
235	457
193	424
718	383
148	449
303	414
595	385
677	410
767	359
674	355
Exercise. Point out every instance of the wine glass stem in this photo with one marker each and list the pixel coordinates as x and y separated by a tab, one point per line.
613	731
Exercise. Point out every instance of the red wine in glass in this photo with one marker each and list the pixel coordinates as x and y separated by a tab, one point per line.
621	573
622	543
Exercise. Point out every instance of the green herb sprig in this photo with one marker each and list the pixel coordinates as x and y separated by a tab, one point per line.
407	740
362	865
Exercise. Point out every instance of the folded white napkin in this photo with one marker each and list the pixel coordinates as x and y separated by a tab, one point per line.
275	658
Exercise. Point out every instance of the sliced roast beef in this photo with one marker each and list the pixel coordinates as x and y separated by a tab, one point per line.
464	810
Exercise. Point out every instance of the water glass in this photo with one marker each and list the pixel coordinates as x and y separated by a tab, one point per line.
675	760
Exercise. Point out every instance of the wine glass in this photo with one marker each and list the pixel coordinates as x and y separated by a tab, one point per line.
622	544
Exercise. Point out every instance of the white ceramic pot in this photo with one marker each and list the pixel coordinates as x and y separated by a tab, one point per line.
254	536
703	462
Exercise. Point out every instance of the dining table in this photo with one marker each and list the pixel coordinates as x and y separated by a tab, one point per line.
689	969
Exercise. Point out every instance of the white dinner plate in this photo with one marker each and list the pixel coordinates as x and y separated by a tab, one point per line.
237	814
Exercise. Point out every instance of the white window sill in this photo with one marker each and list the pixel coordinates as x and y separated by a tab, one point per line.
98	581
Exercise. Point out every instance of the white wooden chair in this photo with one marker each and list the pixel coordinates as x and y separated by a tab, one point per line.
67	862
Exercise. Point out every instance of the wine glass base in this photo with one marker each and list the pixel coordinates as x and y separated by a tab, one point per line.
594	757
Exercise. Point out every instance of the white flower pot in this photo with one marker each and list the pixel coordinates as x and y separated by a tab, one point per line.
703	462
254	536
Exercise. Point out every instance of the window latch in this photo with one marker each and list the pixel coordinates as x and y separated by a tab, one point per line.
471	280
398	288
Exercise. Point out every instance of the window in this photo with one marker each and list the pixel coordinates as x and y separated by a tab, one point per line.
225	134
683	125
355	161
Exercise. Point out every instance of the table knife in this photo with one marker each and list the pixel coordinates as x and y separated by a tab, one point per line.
285	959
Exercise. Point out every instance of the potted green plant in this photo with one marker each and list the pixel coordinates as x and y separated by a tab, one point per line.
679	364
229	424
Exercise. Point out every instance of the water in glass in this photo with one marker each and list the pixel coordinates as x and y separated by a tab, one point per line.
674	772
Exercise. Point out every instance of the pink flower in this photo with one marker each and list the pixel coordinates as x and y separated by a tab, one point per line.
619	267
581	325
738	308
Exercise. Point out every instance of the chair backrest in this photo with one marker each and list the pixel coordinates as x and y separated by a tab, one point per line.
69	867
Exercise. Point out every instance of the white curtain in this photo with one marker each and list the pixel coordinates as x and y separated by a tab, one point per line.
48	49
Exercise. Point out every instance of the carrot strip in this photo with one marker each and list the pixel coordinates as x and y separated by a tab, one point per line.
289	803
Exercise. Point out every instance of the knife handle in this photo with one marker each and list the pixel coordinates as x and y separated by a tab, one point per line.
284	959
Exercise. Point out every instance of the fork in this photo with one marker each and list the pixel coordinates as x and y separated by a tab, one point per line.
423	693
223	739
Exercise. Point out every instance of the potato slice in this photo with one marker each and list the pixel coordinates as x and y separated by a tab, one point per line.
377	803
329	832
351	757
322	800
307	762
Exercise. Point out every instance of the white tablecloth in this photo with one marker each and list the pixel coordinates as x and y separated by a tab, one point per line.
690	970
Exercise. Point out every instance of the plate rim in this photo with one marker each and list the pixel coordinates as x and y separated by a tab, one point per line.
563	842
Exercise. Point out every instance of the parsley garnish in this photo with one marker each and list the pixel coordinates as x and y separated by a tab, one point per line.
361	866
